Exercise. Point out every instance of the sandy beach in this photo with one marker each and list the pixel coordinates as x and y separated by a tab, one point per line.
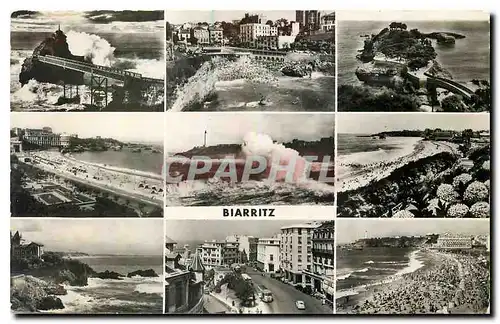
437	282
356	175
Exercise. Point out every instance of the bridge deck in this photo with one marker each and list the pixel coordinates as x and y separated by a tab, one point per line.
105	71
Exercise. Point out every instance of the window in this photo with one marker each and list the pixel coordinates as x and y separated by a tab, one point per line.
300	231
271	257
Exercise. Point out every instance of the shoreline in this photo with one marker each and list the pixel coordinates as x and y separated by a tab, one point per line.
360	294
117	182
380	170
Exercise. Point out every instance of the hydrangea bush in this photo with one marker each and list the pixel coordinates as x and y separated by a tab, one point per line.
480	210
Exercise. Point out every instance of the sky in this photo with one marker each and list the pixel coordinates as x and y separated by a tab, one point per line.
185	131
141	127
183	16
408	15
375	123
354	229
94	236
194	230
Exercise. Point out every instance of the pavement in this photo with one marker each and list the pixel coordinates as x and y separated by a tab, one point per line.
285	296
213	306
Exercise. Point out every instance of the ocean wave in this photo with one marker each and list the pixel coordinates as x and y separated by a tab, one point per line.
369	262
150	288
76	302
362	270
215	191
220	72
413	265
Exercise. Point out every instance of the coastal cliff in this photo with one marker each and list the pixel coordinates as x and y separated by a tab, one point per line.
55	45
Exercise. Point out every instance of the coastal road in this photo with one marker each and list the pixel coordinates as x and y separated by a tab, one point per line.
103	187
286	295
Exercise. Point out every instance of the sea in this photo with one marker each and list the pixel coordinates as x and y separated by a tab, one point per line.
143	161
468	59
127	296
243	85
124	45
358	269
361	149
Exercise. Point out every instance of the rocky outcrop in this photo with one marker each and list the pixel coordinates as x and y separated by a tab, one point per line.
143	273
56	45
108	275
295	69
49	302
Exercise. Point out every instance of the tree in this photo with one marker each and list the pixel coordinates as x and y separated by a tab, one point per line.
193	40
269	23
452	103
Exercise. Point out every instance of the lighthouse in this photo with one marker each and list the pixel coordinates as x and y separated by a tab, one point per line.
205	139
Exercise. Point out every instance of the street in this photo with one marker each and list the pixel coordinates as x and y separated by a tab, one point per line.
285	296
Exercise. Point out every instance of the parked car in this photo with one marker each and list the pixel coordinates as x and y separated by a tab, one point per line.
300	304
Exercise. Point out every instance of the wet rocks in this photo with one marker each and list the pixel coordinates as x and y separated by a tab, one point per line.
109	275
143	273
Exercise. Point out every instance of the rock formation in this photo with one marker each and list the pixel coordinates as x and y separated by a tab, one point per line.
143	273
55	45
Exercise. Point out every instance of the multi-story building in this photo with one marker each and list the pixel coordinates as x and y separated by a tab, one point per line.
309	20
42	137
202	35
184	35
216	35
322	272
251	31
65	140
450	241
296	252
328	22
246	244
219	253
183	282
268	254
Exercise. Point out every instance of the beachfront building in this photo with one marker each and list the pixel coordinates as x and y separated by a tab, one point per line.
453	241
296	252
246	244
216	35
322	272
183	283
219	253
268	254
41	137
328	22
16	146
202	35
21	248
253	34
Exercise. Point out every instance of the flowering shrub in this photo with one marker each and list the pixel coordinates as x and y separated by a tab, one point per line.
486	165
447	193
458	211
403	214
464	178
475	192
487	184
480	210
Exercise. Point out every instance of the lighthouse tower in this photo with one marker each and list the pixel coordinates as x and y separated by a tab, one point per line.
205	139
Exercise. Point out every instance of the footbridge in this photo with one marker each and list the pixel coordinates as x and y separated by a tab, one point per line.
133	83
257	54
449	85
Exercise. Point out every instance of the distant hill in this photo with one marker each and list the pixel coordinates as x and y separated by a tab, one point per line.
322	147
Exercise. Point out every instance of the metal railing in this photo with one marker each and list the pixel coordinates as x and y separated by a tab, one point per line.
109	72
